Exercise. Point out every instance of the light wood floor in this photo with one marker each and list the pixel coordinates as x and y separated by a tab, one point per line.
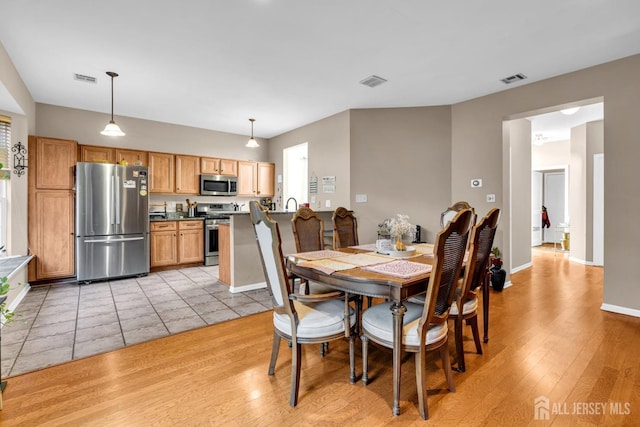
548	337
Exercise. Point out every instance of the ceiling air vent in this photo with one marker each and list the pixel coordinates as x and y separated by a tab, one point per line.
83	78
513	79
373	81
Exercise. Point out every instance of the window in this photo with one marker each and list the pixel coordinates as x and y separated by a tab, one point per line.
296	177
5	143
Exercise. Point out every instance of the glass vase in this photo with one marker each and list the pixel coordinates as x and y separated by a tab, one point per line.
400	246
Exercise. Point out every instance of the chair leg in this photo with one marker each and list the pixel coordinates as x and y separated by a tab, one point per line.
275	347
473	322
296	359
352	359
446	364
365	352
369	302
421	367
459	344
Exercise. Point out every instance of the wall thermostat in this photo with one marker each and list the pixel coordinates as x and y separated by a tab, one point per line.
476	183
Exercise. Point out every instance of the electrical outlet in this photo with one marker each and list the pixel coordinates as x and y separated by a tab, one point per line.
361	198
327	203
491	198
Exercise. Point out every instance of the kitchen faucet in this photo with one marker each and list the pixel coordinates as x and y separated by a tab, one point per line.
286	206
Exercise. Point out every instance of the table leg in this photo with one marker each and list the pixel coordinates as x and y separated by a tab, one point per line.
398	311
485	305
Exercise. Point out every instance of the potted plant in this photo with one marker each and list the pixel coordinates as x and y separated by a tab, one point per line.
6	315
498	275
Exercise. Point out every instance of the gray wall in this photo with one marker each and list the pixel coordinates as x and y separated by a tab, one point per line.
477	141
328	153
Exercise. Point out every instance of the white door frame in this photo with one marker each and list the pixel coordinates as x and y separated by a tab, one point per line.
598	209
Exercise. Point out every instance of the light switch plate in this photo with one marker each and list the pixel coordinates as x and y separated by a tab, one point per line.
361	198
491	198
327	203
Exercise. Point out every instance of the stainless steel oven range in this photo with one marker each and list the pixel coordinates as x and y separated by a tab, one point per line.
211	240
214	214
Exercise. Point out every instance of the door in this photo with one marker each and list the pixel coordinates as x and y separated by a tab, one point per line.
164	248
536	208
94	199
131	201
554	200
100	257
187	174
55	243
161	173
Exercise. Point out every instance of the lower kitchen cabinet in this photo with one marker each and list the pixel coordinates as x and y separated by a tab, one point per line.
190	242
176	243
224	247
163	243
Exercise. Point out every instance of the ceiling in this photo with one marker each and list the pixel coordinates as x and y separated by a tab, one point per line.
214	64
556	125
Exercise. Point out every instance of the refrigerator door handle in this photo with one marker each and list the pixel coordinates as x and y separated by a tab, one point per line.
126	239
116	191
113	207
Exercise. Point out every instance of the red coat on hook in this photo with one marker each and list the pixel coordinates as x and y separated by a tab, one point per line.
545	218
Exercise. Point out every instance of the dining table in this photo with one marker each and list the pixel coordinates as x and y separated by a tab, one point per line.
354	270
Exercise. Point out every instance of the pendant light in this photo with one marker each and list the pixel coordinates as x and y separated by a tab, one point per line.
252	143
112	129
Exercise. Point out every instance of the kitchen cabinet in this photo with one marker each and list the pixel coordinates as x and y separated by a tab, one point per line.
94	153
176	243
266	178
55	160
132	156
190	242
187	174
212	166
161	172
51	208
256	179
163	243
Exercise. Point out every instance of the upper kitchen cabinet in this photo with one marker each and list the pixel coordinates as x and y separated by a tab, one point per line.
256	179
54	162
266	178
132	156
161	172
94	153
212	166
187	174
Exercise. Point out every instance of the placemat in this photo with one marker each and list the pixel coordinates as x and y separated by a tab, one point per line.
400	268
320	254
361	260
370	247
327	266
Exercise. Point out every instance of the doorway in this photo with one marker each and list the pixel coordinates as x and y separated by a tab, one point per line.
296	176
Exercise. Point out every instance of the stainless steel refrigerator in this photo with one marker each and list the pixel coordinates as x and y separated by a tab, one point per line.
112	221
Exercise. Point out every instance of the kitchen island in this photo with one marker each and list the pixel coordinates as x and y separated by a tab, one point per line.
240	266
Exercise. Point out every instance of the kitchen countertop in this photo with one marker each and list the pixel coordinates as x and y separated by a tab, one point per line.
195	218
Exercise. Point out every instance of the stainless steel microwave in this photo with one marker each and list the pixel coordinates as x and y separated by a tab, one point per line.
218	185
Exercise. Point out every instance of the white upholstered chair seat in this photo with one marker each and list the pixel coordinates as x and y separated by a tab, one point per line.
468	307
378	321
316	320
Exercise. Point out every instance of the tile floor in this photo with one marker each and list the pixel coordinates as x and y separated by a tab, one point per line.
55	324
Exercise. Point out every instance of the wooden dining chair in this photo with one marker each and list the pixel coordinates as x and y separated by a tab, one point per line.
424	325
298	319
308	230
345	228
476	275
452	210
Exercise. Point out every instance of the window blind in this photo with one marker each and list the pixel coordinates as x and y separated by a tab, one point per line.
5	141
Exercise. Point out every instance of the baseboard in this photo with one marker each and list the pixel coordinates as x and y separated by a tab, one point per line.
507	284
521	267
620	310
249	287
580	261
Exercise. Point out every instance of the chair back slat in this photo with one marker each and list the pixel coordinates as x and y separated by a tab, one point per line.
345	228
482	237
308	230
269	246
449	249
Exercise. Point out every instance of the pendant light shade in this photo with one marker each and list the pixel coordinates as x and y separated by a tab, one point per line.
252	143
112	129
